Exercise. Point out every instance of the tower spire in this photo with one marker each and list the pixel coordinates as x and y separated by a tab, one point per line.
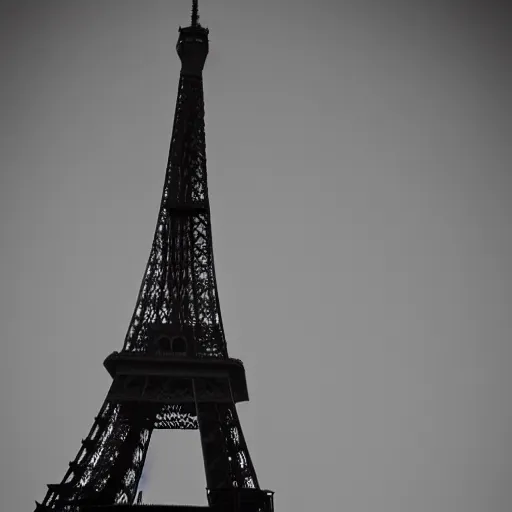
195	13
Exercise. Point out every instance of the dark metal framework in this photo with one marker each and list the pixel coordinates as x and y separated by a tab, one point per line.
173	371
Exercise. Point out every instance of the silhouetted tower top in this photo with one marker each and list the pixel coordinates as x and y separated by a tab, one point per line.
192	46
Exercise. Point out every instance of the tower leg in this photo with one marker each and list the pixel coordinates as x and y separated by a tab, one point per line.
109	463
126	470
226	457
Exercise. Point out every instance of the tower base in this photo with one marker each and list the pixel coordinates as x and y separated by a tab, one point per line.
220	500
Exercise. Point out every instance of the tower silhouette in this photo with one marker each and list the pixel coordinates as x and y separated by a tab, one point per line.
173	371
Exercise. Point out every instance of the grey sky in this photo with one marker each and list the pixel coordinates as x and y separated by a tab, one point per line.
359	169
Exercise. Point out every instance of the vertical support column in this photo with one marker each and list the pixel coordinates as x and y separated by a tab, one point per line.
126	470
226	458
215	456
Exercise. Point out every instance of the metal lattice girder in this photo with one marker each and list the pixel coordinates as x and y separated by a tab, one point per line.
179	285
226	457
110	460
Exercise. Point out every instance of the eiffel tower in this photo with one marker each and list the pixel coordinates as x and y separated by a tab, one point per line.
173	371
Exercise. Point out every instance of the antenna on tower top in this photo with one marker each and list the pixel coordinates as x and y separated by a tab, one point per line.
195	14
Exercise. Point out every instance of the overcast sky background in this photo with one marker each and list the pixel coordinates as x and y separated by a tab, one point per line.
360	183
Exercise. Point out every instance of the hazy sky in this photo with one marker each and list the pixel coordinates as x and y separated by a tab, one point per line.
360	183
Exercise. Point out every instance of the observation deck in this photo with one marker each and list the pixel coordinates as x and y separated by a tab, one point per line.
174	379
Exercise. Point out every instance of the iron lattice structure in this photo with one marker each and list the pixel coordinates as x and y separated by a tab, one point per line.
173	371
